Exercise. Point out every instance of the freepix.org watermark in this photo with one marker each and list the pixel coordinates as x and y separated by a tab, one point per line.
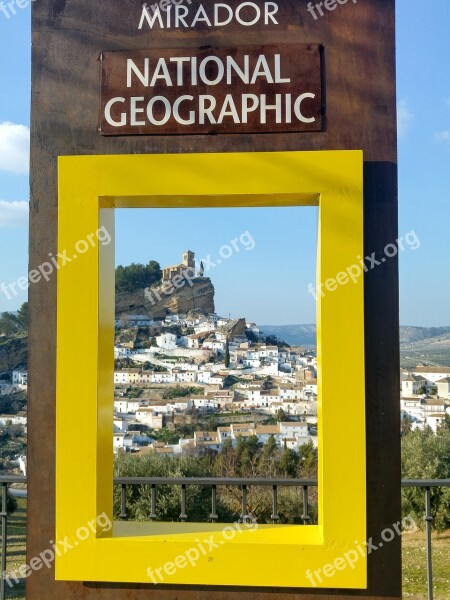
187	276
9	9
46	269
363	265
351	557
201	549
58	548
316	10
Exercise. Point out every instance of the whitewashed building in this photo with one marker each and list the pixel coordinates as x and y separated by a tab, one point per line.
413	384
163	377
204	377
290	392
297	429
167	341
126	405
127	376
121	424
182	376
217	380
20	377
443	387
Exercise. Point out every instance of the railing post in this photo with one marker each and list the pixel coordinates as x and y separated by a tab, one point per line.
213	516
4	516
429	521
153	515
123	502
183	515
305	517
275	516
244	503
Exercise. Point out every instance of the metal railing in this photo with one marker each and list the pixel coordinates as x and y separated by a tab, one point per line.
427	484
214	483
5	481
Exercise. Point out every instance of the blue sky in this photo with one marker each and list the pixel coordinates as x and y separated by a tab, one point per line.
258	253
285	239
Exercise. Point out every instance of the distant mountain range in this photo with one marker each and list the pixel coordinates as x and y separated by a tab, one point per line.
417	344
294	335
425	345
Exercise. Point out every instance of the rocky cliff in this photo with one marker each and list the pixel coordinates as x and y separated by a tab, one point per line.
234	328
13	353
158	301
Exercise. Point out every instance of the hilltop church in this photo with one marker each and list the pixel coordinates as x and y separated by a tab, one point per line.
188	264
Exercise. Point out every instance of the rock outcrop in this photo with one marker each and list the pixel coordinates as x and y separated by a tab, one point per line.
161	300
234	328
13	353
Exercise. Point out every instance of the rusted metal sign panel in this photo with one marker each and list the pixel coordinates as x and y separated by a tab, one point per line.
250	89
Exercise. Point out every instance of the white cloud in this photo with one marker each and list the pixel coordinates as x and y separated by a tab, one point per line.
14	148
442	136
13	214
404	117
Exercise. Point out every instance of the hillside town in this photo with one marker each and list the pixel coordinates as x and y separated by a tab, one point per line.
266	389
425	396
260	379
229	368
194	382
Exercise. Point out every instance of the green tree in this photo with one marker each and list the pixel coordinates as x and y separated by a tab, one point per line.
168	498
445	425
230	380
227	354
290	509
11	504
308	463
289	462
269	458
180	392
247	459
272	340
137	276
268	383
134	392
212	423
125	363
251	336
166	435
426	455
22	316
9	324
281	415
406	424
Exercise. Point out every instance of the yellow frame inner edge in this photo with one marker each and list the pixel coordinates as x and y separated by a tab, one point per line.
90	187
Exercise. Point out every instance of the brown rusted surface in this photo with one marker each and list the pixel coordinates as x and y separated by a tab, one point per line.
359	93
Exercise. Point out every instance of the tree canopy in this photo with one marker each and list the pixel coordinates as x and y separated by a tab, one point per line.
168	499
426	455
13	323
137	276
247	459
273	340
22	317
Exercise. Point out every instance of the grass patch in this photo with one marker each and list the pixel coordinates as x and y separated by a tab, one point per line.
17	529
414	559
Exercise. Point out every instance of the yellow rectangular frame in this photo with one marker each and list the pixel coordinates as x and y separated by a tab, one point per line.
90	188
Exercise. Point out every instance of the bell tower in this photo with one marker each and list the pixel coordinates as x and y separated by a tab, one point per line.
189	259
